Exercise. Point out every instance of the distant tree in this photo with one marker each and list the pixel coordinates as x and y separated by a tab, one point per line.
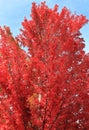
46	88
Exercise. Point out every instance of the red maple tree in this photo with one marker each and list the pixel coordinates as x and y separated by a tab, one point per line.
46	88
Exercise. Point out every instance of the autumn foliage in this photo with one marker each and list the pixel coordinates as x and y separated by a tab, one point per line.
47	86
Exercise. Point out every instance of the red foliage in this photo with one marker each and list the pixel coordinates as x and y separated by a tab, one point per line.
46	88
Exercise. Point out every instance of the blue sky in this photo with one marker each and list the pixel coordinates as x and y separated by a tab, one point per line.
12	13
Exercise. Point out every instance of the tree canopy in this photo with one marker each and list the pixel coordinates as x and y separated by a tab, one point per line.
47	87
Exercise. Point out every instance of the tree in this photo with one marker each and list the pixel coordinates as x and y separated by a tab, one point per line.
13	82
46	88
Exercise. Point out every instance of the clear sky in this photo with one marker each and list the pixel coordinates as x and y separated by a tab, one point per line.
12	13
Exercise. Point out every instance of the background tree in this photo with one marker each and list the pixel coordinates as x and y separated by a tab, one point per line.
13	83
46	88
